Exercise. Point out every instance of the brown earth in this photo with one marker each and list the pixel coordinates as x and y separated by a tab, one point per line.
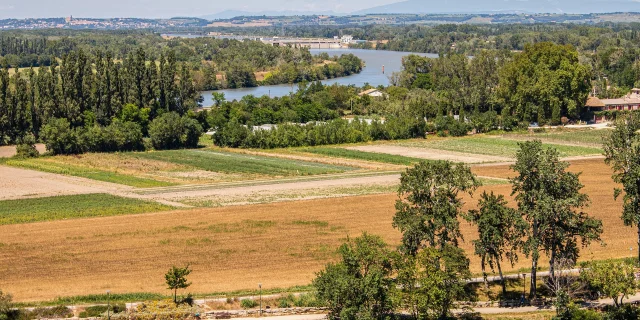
231	248
18	183
430	154
10	151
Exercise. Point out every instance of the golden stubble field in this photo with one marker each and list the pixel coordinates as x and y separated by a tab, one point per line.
233	248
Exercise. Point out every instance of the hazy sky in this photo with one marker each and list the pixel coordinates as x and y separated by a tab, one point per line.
168	8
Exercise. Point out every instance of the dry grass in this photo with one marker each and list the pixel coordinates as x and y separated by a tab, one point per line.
233	248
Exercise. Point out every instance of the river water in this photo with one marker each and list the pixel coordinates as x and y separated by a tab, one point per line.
372	74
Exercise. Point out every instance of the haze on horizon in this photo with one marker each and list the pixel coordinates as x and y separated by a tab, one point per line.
20	9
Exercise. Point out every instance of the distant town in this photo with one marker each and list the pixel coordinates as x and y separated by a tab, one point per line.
71	22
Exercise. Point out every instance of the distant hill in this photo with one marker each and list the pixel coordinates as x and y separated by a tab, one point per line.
228	14
507	6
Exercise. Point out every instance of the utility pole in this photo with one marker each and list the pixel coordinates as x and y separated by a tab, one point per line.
260	287
108	305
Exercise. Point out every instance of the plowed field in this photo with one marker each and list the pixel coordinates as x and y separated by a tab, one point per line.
279	245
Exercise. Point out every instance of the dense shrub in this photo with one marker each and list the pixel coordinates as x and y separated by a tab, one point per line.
98	311
449	126
170	131
118	136
248	304
60	138
158	310
26	147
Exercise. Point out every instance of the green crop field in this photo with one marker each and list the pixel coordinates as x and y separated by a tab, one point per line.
587	137
72	207
42	164
362	155
493	146
227	162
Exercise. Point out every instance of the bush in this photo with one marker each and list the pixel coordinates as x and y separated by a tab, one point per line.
158	310
60	138
170	131
5	306
57	312
98	311
118	136
625	312
26	147
248	304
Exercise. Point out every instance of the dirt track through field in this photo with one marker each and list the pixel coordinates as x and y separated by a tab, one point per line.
430	154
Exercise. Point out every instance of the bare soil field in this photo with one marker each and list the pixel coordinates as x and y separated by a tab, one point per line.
10	151
430	154
232	248
18	183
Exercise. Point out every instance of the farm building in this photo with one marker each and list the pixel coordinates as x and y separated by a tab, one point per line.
372	93
628	102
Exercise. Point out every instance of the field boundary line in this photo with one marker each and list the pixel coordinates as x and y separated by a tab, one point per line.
228	185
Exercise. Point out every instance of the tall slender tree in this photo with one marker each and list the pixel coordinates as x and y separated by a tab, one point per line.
500	231
622	151
549	199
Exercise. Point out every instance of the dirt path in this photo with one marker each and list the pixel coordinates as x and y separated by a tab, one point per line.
18	183
274	187
431	154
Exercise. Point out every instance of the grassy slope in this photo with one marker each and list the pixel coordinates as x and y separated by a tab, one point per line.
493	146
89	173
69	207
224	162
362	155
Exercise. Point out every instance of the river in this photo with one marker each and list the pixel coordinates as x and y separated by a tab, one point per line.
371	74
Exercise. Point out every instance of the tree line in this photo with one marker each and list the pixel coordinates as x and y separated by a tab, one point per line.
214	63
83	92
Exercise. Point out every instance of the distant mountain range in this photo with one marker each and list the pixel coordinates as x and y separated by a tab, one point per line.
464	6
507	6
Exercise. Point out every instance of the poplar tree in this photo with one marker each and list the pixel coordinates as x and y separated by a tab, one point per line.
550	201
622	152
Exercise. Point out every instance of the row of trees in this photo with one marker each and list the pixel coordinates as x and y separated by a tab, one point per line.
88	92
428	272
338	131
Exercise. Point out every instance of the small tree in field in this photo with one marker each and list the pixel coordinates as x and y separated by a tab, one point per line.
177	279
500	233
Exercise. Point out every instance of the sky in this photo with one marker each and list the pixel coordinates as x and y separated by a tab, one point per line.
20	9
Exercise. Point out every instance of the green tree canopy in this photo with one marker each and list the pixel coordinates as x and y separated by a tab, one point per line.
176	278
500	231
622	151
429	205
615	280
544	83
550	200
358	286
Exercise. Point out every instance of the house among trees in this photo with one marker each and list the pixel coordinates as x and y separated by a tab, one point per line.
372	93
597	106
